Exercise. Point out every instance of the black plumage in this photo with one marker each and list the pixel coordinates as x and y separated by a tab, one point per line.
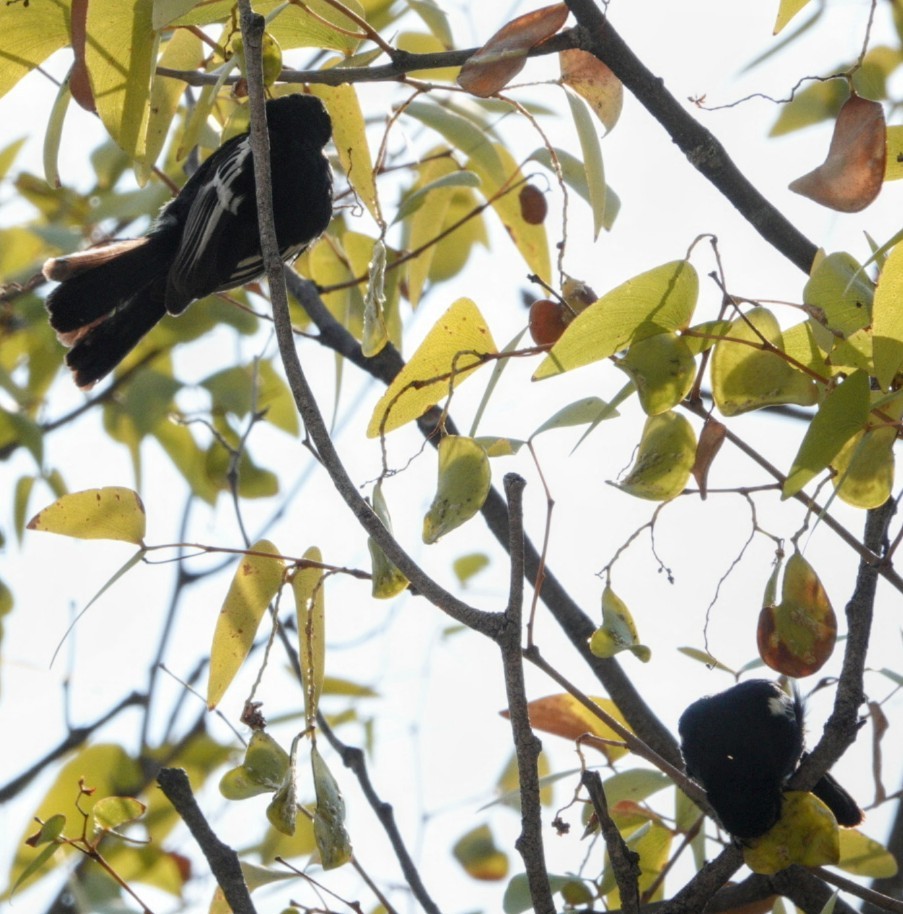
742	745
205	240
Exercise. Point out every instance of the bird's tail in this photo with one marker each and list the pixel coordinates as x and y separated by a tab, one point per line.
844	807
109	297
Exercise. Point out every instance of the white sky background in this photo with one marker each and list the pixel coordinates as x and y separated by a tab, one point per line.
440	696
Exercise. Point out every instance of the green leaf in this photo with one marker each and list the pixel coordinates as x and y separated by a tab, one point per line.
332	839
588	411
664	459
843	414
387	580
591	150
310	608
257	580
468	566
464	482
746	375
453	349
111	513
864	467
662	368
887	319
479	856
110	813
658	301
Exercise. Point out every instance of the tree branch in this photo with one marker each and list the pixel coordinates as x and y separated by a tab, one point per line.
703	151
222	859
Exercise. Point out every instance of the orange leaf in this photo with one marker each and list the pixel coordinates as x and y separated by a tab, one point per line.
503	56
851	176
594	83
798	636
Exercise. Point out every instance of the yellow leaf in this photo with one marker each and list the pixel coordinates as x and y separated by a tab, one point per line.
120	57
864	856
257	580
454	348
30	35
349	134
111	513
595	83
806	834
530	240
310	608
618	632
887	319
787	10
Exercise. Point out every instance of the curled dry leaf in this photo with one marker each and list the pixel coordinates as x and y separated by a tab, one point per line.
710	440
503	56
594	83
851	176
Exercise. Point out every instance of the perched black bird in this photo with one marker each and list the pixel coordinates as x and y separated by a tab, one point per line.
742	745
205	240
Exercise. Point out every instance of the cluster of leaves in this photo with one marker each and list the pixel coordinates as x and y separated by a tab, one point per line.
842	360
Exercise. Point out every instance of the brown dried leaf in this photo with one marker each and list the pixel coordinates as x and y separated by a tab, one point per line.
710	440
851	176
594	83
503	56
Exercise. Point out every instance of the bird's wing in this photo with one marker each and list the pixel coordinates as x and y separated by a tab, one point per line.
198	267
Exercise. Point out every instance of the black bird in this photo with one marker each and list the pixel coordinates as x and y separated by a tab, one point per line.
742	745
205	240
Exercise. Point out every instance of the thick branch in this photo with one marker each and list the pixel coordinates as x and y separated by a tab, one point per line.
222	859
702	149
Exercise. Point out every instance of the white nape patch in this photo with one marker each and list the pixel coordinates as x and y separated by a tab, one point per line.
781	706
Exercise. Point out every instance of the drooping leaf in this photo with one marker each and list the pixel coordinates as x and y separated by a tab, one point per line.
350	138
618	631
797	636
710	440
562	715
851	176
478	853
111	513
263	769
120	58
887	319
864	467
591	156
257	580
454	348
502	57
806	834
310	608
746	375
662	368
594	82
664	459
464	480
387	581
842	415
332	839
658	301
